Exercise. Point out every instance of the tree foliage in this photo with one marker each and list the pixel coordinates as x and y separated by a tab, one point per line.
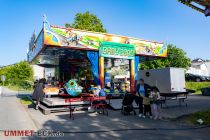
176	58
17	73
87	21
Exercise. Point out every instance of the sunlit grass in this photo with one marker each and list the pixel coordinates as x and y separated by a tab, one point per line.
17	88
197	86
25	101
192	118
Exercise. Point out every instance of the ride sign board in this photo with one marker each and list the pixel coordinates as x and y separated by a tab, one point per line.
87	40
116	50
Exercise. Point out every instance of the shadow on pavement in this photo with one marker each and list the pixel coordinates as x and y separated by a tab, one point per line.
117	127
88	126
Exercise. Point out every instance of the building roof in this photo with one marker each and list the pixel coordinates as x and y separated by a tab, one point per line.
208	66
198	60
198	5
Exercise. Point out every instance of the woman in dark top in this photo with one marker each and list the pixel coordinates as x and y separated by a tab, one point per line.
38	93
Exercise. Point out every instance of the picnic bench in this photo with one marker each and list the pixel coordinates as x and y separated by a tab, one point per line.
180	96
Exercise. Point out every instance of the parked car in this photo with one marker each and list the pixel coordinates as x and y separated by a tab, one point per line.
206	91
193	77
207	78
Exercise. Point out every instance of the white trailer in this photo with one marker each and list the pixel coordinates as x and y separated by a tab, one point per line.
167	80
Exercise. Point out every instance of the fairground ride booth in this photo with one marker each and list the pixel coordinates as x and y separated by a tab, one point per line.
72	51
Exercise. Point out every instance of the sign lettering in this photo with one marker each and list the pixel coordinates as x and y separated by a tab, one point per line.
116	50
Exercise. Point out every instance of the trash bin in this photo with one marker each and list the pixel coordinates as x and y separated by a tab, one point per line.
206	91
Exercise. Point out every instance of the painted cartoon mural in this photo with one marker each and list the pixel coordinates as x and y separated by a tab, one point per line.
35	45
69	37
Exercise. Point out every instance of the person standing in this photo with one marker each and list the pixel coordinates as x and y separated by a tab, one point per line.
147	106
141	90
38	93
156	103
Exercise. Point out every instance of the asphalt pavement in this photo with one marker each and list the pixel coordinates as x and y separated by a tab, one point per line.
14	115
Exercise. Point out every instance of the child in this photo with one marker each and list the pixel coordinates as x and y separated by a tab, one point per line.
147	107
156	107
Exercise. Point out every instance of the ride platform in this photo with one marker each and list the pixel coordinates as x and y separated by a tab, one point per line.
62	103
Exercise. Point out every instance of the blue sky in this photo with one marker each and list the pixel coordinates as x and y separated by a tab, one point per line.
160	20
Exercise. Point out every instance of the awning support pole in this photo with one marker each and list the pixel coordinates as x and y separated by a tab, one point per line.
101	71
132	75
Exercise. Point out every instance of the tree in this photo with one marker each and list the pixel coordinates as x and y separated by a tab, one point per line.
87	21
8	72
21	71
176	58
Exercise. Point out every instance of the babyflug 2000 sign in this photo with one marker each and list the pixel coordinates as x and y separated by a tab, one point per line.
115	50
